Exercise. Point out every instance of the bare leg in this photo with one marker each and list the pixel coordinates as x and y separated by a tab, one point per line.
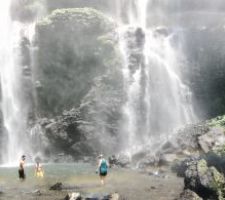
102	180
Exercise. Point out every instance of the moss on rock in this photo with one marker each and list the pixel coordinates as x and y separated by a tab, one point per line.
217	121
205	181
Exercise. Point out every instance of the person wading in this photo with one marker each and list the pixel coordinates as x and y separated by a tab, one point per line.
39	172
21	172
102	168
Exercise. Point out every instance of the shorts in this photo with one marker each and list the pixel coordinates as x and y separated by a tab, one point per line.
103	173
21	174
40	174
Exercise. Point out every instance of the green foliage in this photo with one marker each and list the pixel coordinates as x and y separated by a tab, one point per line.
215	179
218	121
85	17
220	151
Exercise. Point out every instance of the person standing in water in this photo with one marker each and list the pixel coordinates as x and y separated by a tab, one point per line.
39	172
21	172
102	168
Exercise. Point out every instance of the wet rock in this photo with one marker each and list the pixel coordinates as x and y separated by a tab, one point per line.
166	159
187	138
135	38
26	71
38	85
140	36
36	192
25	51
57	186
181	166
189	195
206	181
216	159
73	196
149	160
169	147
121	160
114	196
62	136
112	160
211	140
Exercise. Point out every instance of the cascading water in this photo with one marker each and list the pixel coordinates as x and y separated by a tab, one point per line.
15	40
158	102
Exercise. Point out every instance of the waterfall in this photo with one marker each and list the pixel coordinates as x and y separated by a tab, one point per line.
15	62
158	102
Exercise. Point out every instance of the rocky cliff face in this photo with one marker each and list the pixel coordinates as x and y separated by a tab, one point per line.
78	64
206	69
75	46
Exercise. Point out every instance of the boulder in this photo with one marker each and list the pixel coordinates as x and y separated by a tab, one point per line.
122	160
149	160
206	181
212	139
73	196
58	186
167	159
189	195
216	159
187	137
181	166
62	136
113	196
37	193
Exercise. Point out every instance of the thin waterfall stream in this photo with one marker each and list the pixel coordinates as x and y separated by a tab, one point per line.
158	102
16	39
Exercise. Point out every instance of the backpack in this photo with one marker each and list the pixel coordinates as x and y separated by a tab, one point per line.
103	166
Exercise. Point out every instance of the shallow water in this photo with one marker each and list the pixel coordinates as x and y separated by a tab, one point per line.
82	178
